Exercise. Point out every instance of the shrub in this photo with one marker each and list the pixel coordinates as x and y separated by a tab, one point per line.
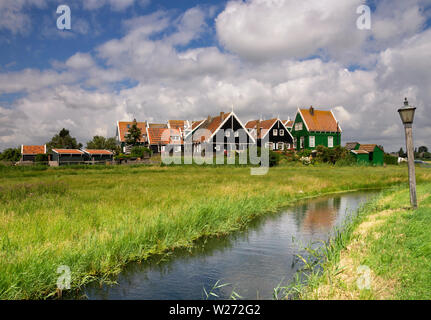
41	158
388	159
139	152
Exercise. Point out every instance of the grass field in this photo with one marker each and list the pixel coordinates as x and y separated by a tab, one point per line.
95	220
388	243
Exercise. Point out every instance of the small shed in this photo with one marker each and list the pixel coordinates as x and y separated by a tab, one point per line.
29	153
376	154
68	156
98	155
361	156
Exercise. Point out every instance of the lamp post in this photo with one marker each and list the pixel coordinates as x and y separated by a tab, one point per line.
407	114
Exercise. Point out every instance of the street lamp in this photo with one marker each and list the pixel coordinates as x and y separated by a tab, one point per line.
407	114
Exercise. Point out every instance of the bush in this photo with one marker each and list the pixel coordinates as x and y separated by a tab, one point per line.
388	159
332	155
348	160
41	158
140	152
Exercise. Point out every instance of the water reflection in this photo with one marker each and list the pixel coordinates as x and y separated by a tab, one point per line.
254	261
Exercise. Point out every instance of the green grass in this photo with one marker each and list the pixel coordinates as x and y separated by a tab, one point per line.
389	238
97	219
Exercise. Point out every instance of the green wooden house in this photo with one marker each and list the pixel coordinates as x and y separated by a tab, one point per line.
361	156
312	128
375	153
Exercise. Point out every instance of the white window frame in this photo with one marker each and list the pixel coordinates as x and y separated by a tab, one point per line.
330	142
295	143
177	148
312	141
274	132
217	147
281	132
266	145
162	148
280	146
301	143
227	133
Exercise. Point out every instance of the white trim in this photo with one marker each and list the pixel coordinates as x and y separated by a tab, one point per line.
193	130
303	120
44	148
53	150
290	134
225	120
338	124
22	149
270	128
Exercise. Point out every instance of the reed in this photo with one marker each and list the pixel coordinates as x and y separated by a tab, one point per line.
97	219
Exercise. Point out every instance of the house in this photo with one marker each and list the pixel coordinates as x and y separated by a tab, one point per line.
208	132
361	156
98	155
29	153
160	138
288	124
68	156
279	137
375	153
312	128
184	126
122	130
351	145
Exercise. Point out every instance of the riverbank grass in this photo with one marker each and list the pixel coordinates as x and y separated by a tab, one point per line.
386	256
95	220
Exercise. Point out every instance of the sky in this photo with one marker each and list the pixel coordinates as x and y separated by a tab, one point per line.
187	59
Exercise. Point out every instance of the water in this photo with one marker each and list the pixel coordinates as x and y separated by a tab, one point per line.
254	261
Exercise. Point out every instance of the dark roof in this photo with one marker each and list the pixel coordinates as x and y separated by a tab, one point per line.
351	145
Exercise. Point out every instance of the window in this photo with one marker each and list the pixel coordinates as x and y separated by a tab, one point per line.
298	126
295	143
287	145
177	148
236	134
330	142
217	147
280	146
227	133
266	145
128	126
312	141
301	142
176	138
274	132
162	148
281	132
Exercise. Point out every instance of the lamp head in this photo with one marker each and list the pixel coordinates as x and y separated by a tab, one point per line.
407	113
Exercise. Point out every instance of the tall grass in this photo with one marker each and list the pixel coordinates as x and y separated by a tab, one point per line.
95	220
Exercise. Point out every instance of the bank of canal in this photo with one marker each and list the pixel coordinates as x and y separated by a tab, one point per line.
254	261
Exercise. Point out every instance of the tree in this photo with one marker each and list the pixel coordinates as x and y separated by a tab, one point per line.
401	153
63	140
423	149
99	142
11	154
133	136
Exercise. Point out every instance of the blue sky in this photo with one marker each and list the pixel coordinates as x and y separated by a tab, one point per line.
159	60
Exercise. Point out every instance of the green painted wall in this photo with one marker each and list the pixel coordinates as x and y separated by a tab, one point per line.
361	158
378	156
321	138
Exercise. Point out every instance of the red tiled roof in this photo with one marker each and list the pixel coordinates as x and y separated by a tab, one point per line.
67	151
98	152
158	125
33	150
177	124
264	125
195	124
288	123
320	120
163	136
367	147
123	129
212	124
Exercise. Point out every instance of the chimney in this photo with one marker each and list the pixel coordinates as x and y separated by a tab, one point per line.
209	119
258	129
221	115
312	110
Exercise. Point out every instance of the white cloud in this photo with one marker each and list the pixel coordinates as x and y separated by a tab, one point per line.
259	75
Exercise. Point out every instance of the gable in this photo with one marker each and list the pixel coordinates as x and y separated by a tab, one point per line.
319	120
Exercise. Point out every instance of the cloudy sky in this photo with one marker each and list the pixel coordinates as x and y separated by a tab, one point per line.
186	59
